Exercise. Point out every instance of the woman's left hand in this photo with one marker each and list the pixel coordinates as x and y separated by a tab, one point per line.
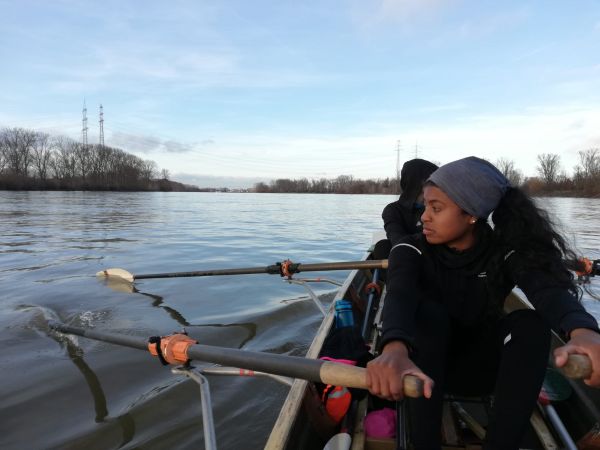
582	342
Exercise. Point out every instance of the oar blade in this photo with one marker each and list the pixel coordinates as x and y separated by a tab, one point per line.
116	273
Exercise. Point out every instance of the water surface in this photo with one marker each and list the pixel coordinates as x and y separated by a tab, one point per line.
76	393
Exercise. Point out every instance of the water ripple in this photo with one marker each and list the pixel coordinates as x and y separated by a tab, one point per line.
54	242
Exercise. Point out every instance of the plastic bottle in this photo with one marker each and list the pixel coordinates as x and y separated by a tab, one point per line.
343	314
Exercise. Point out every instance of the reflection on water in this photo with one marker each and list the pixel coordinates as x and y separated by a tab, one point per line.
53	243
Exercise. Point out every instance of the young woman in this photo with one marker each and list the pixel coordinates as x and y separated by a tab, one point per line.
443	319
403	216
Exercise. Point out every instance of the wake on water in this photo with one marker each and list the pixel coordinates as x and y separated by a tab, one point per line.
41	316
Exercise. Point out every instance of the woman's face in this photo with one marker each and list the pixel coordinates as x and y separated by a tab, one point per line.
444	222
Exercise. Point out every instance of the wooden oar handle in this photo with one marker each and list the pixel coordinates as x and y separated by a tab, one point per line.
289	366
577	366
351	376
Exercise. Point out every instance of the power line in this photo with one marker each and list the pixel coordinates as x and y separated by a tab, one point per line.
84	127
101	126
397	161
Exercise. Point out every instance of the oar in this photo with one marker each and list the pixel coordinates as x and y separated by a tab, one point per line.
556	388
583	266
343	439
285	268
316	370
577	367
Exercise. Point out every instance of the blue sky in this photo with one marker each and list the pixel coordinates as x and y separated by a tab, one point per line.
267	89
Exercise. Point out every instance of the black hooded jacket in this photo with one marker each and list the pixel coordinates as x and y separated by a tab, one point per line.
469	289
402	217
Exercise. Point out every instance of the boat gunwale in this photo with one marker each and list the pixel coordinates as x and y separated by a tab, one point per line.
288	414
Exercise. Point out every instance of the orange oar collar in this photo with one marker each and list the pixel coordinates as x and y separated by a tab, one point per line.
171	349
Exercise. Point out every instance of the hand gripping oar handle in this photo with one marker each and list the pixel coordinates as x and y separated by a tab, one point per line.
284	268
577	366
326	372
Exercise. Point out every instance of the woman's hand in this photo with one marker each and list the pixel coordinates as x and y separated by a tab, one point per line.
385	373
583	342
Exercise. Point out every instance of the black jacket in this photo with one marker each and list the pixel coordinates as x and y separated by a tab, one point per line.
419	271
401	218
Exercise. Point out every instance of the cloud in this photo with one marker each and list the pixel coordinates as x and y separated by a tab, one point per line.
374	13
231	182
486	25
170	70
54	124
442	108
369	151
146	144
159	48
177	147
135	143
162	62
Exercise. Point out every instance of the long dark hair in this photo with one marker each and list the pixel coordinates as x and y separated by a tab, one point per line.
521	226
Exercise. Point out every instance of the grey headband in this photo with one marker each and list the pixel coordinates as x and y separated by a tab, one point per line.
473	184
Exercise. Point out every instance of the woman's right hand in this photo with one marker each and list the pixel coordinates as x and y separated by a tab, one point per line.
385	373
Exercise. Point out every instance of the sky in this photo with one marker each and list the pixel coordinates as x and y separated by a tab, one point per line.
228	92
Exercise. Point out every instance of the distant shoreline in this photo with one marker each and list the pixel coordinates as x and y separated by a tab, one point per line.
173	186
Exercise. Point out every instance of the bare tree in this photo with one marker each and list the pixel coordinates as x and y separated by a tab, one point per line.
261	187
589	163
164	174
508	169
343	183
149	170
41	155
99	163
17	144
3	152
549	167
587	173
83	156
65	161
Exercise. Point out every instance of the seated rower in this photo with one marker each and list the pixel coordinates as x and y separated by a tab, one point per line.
443	318
403	216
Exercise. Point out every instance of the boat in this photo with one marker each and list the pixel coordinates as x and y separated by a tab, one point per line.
572	422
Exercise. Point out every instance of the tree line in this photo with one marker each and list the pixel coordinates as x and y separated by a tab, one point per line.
551	179
34	160
344	184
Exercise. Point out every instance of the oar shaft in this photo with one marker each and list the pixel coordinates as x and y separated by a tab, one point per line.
111	338
349	265
273	269
560	427
210	273
290	366
285	269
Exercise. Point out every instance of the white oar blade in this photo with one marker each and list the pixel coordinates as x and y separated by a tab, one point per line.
120	273
341	441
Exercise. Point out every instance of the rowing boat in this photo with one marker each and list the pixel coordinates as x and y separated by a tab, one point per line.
303	423
297	420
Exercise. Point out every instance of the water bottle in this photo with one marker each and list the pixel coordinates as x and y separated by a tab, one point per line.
343	314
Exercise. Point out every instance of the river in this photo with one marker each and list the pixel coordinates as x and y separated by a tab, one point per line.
80	394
